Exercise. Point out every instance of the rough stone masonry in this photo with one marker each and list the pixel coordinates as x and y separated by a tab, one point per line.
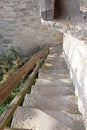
20	22
20	25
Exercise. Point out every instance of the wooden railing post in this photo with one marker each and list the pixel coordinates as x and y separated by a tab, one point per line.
12	82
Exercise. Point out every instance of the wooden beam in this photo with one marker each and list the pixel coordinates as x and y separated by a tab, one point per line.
8	113
16	129
12	82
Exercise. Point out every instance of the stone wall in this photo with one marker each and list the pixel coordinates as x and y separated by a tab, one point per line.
46	5
16	17
83	9
20	26
83	5
76	57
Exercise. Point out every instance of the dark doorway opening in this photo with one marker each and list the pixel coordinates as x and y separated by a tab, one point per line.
57	9
67	9
53	9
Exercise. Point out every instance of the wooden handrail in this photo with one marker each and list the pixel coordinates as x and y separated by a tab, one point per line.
15	129
8	113
12	82
6	116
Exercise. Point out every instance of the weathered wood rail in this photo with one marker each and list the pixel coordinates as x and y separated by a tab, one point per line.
15	129
7	87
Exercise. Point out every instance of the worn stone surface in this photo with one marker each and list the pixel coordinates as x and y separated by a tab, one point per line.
52	102
54	98
47	82
35	119
66	114
49	90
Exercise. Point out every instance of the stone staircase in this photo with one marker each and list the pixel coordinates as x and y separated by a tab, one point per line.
52	104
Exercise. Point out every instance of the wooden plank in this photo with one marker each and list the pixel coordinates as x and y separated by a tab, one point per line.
15	129
6	116
12	82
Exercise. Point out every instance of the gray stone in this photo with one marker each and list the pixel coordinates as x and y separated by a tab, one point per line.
52	90
35	119
52	102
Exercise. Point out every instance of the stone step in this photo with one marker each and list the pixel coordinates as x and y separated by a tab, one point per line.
60	68
53	74
58	103
51	69
56	83
50	64
57	49
57	63
73	121
51	90
55	58
56	53
35	119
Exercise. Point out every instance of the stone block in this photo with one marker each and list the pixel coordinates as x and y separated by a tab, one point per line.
35	119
